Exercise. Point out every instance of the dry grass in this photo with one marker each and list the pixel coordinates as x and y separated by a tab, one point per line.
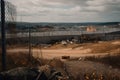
111	60
97	76
87	70
19	60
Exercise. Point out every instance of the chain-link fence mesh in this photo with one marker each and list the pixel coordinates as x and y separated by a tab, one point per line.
10	17
15	57
9	11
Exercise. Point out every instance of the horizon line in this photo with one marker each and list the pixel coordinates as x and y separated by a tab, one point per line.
69	22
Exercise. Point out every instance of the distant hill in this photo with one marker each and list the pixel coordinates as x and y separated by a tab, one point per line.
26	25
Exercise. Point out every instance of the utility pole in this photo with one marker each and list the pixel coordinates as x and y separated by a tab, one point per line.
3	35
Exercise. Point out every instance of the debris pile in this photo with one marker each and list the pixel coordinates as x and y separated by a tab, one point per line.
25	73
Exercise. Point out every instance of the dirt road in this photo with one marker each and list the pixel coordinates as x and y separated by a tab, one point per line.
49	54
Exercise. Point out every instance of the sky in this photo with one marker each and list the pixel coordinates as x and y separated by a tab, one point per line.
67	10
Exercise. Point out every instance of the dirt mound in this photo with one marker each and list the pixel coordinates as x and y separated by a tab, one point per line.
116	42
104	47
61	46
100	47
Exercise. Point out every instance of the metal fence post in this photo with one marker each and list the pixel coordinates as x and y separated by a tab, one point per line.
3	35
30	47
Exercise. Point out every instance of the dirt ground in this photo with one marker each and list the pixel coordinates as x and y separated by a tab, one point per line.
100	48
50	54
79	68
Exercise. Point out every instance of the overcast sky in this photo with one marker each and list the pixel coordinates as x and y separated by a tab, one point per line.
67	10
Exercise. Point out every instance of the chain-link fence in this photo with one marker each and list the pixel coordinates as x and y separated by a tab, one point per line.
16	51
7	25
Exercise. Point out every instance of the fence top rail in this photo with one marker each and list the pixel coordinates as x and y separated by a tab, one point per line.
56	33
